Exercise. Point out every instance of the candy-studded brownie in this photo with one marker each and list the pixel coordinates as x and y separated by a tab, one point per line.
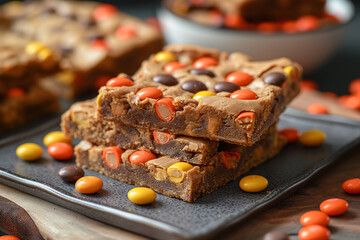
94	41
171	176
199	92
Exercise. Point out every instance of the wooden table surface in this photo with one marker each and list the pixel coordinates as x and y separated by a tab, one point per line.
55	222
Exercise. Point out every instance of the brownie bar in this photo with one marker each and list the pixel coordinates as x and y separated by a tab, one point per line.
224	116
80	121
186	185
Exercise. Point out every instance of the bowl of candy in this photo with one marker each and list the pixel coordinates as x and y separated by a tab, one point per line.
307	31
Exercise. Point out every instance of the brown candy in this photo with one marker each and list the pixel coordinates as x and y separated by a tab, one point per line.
275	78
165	79
71	173
226	87
197	71
276	235
193	86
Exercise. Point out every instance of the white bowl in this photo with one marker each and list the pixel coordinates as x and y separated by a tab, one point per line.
310	49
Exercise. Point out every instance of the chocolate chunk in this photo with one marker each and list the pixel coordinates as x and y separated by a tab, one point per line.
193	86
275	78
165	79
197	71
276	235
71	173
226	87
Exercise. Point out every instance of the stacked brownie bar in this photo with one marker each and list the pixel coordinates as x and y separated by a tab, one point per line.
189	121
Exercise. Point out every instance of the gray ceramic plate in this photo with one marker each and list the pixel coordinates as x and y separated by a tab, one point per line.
169	218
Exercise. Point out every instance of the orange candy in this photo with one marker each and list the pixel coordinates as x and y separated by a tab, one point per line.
89	185
15	92
244	94
243	115
314	218
268	27
289	27
103	12
119	82
100	81
165	109
9	237
205	62
291	134
307	23
334	206
125	32
308	85
141	157
99	44
149	92
352	186
161	137
239	78
317	108
173	66
351	101
234	21
354	86
61	151
112	156
314	232
230	159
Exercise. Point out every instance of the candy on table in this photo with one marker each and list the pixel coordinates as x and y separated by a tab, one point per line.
308	85
253	183
352	186
61	151
314	218
9	237
334	206
71	173
312	138
314	232
29	151
56	136
142	195
354	86
88	185
291	134
317	108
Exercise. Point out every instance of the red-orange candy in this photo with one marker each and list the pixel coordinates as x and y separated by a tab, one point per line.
100	81
103	12
352	102
239	78
307	23
308	85
9	237
89	184
161	137
141	157
330	94
354	86
352	186
314	232
112	156
289	27
15	92
244	94
119	82
99	44
165	109
268	27
125	32
314	218
334	206
234	21
246	114
230	159
205	62
291	134
61	151
149	92
173	66
317	108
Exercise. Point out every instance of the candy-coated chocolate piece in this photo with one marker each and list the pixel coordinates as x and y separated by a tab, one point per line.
29	151
253	183
275	78
317	108
61	151
307	23
314	218
99	44
276	235
89	185
165	79
9	237
230	159
239	78
161	137
334	206
112	156
226	87
244	94
243	115
119	82
141	195
354	86
200	94
71	173
125	32
308	85
312	138
165	109
205	62
103	12
176	172
56	136
314	232
352	101
141	156
149	92
291	134
164	57
290	72
193	86
352	186
173	66
34	48
15	92
198	71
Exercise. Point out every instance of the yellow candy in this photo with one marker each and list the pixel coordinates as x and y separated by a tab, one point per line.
34	48
312	138
253	183
164	57
141	195
200	94
289	71
29	151
45	54
177	171
54	137
66	77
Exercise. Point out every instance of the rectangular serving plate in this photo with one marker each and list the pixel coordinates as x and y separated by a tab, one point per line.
170	218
